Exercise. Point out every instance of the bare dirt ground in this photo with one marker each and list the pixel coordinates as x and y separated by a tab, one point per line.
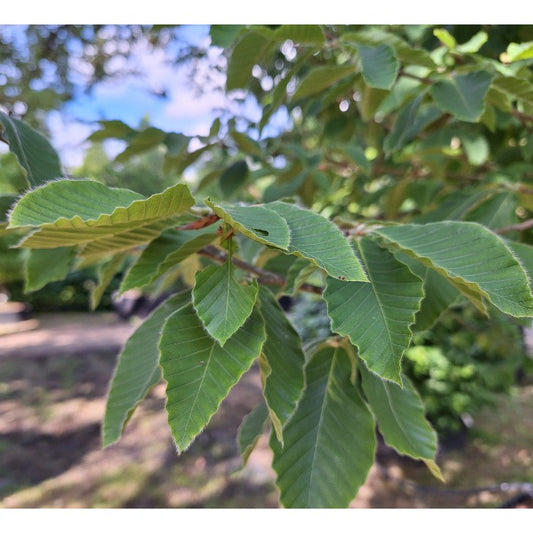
53	382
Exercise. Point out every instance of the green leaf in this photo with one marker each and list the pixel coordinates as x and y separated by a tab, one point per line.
245	144
321	78
377	316
285	358
379	64
233	178
138	368
410	121
439	292
475	260
519	51
473	44
249	50
329	442
223	35
524	254
309	34
144	140
464	95
34	153
136	222
105	273
112	129
256	222
164	253
498	211
44	266
199	372
515	88
476	147
399	413
252	427
316	238
222	303
85	199
445	38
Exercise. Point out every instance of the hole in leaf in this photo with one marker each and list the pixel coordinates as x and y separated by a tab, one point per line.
260	231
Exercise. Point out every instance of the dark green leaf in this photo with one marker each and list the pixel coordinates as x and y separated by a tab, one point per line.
464	95
34	153
379	64
233	178
199	372
377	316
138	369
285	359
329	442
222	303
316	238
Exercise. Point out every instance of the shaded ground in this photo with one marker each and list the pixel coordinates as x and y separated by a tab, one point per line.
53	381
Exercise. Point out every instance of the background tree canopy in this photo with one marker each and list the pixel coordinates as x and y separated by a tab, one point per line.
387	173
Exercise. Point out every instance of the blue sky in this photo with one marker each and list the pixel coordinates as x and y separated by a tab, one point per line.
131	99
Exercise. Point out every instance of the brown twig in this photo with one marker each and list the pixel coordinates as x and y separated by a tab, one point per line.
263	276
201	222
527	224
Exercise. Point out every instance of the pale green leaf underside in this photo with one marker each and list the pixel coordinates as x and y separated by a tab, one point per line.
255	222
318	239
464	95
222	303
199	372
400	416
285	358
84	200
126	226
377	316
163	253
33	151
138	368
329	442
475	260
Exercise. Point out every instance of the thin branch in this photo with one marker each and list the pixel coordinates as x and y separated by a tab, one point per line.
263	276
527	224
203	222
426	81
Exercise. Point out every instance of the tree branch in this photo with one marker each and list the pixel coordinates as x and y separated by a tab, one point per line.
527	224
263	276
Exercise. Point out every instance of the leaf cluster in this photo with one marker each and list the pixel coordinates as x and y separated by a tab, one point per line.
397	188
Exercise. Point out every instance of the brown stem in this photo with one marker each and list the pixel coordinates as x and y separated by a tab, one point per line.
201	222
426	81
263	276
527	224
